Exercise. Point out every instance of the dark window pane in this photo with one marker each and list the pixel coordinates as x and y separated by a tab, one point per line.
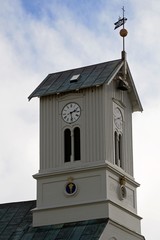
77	147
67	145
120	149
115	148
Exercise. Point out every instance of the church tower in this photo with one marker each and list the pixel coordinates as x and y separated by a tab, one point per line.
86	155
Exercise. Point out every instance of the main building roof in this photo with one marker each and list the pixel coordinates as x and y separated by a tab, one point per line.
16	224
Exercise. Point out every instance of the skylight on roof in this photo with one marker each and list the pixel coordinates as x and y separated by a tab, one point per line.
74	78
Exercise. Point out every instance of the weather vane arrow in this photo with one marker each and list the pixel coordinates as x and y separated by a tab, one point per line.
120	22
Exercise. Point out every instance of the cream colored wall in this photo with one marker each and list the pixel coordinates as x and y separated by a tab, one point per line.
96	175
114	231
97	196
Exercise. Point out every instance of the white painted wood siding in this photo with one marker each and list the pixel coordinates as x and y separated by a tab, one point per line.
91	124
96	124
49	135
121	97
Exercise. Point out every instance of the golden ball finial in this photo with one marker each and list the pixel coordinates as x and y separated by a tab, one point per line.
123	32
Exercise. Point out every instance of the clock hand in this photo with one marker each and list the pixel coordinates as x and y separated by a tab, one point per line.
71	115
73	111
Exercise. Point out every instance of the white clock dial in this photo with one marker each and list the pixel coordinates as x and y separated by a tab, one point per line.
71	112
118	120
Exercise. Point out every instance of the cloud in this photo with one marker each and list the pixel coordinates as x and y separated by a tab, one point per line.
34	43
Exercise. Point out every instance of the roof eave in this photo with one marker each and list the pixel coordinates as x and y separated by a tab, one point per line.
136	103
33	93
114	73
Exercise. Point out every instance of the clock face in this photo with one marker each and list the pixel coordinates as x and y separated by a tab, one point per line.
118	120
71	112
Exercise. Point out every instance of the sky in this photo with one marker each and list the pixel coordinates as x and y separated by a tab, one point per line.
38	37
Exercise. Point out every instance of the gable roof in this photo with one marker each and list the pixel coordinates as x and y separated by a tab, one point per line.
90	76
85	77
16	224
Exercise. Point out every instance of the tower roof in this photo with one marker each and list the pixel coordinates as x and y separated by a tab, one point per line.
86	77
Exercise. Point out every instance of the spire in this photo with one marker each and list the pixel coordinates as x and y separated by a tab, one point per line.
123	85
123	32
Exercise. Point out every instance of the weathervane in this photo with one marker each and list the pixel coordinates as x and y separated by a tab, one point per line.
123	32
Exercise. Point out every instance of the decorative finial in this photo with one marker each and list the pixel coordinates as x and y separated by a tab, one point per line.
123	32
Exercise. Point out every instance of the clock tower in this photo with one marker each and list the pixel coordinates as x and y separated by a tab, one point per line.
86	158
